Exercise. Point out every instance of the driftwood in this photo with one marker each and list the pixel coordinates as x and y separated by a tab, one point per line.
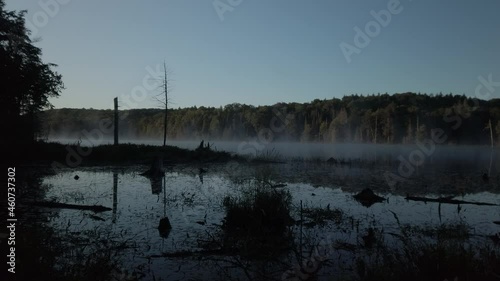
96	218
95	208
447	200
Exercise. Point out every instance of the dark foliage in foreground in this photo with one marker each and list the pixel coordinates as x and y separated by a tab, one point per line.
256	224
266	212
26	81
430	253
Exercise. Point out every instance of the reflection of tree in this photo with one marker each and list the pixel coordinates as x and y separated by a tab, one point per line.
156	185
50	251
155	174
115	196
164	227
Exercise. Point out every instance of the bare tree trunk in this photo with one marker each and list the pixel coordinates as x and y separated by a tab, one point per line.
165	128
115	196
116	122
491	133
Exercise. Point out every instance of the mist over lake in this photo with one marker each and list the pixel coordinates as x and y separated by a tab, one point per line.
481	156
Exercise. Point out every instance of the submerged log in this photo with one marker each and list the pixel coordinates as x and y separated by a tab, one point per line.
367	197
96	218
332	160
447	200
95	208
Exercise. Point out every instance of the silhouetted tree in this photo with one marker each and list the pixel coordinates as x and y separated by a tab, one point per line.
163	98
27	83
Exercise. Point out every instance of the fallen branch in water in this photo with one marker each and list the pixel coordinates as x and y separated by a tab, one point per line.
95	208
447	200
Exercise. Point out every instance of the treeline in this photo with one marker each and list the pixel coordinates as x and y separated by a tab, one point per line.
391	119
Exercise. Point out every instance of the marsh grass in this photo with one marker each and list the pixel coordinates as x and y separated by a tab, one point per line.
423	260
259	212
442	252
49	254
257	221
322	215
269	156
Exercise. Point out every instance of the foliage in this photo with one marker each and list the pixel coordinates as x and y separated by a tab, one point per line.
27	82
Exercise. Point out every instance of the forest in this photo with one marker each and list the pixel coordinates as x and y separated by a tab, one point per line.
401	118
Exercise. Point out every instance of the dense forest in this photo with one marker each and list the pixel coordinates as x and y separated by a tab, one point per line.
382	118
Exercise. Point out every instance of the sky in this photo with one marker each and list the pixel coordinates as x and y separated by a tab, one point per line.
262	52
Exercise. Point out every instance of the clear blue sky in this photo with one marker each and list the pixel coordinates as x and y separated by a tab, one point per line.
264	51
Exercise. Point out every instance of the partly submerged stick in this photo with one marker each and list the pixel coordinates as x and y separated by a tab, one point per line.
95	208
447	200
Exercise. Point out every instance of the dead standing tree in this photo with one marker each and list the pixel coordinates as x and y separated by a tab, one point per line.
163	98
156	171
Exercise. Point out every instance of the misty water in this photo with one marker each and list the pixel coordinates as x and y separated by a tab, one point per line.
254	147
193	201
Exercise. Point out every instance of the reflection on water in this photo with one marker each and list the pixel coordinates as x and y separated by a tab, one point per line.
173	214
115	195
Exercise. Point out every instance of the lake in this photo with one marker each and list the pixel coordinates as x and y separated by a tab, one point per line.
192	198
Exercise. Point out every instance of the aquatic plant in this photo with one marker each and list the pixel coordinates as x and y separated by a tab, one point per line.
257	221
